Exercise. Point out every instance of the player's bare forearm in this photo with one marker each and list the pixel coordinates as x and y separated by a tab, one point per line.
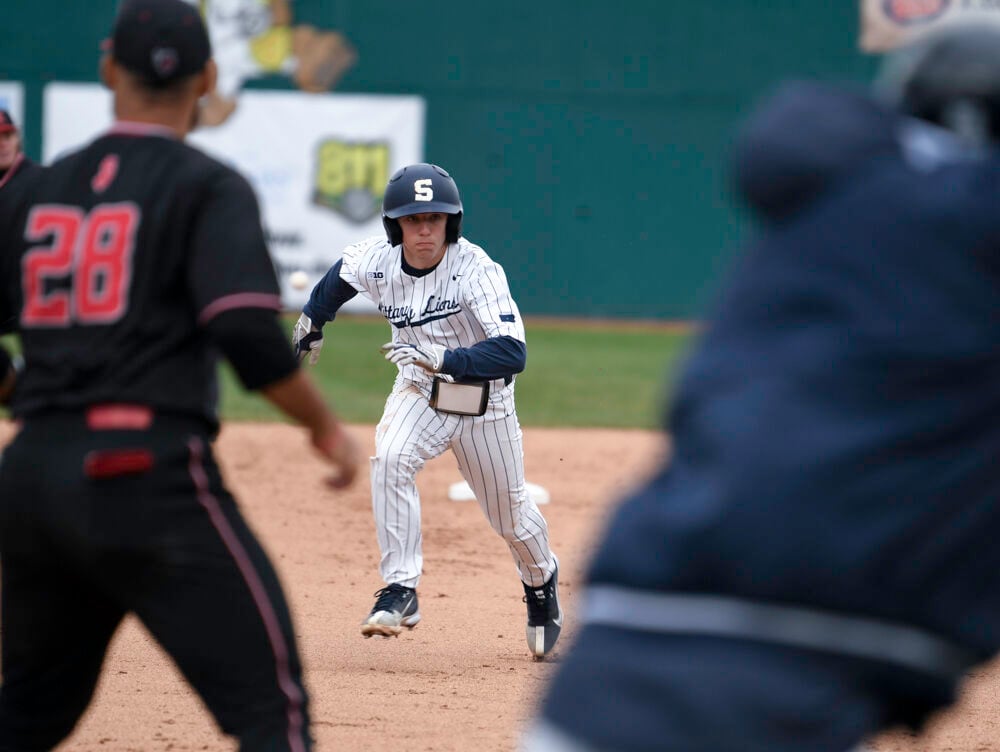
299	399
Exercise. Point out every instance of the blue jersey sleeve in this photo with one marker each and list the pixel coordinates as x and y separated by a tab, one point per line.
493	358
329	294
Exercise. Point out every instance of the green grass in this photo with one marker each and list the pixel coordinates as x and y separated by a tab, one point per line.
607	376
351	372
587	375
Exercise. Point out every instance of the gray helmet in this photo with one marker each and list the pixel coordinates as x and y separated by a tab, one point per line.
421	189
950	76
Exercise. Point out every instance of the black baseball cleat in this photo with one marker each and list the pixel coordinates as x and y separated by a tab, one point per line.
545	618
395	608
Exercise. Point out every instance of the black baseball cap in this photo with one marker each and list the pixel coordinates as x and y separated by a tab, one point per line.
160	41
6	122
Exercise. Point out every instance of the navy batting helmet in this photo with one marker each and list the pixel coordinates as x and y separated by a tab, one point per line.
421	189
950	76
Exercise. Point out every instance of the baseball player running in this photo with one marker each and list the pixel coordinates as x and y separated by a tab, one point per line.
128	265
458	341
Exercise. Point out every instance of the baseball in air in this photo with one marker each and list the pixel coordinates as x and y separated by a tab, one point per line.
298	280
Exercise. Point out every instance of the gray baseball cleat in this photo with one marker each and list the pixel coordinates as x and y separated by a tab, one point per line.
545	618
395	608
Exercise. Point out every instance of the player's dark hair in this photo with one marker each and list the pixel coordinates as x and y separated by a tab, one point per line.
157	91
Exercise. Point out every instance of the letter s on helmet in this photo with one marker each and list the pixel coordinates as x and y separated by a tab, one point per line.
421	189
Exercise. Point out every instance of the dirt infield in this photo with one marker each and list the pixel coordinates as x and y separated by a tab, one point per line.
463	679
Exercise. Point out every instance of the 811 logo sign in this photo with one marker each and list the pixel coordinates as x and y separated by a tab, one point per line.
351	177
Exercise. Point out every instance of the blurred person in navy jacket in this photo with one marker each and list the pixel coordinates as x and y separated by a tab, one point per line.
817	562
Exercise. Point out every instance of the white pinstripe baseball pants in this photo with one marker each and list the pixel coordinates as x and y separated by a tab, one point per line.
490	457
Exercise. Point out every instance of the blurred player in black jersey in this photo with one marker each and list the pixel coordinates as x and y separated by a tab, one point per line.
13	162
129	264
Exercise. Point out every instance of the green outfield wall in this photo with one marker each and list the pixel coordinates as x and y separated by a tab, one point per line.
589	138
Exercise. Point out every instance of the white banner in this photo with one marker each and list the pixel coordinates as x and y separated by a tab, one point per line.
319	163
885	24
12	100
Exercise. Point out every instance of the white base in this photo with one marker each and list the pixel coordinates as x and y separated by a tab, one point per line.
461	492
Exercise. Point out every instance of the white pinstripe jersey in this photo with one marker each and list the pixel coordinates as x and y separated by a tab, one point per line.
464	300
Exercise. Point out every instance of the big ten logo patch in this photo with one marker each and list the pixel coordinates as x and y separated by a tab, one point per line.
906	12
351	177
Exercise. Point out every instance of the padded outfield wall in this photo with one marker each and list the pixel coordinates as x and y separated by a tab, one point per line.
589	138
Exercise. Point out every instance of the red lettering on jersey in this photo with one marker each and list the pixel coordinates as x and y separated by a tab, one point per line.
82	269
107	170
104	271
60	226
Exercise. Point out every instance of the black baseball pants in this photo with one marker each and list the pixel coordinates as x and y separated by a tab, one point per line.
98	524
